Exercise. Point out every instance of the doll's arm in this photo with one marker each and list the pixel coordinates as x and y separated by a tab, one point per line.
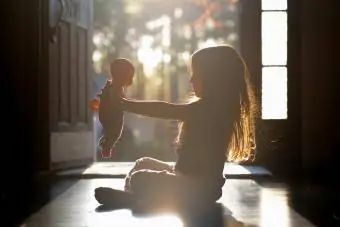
157	109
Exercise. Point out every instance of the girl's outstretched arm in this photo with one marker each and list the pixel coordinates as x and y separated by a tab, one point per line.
156	109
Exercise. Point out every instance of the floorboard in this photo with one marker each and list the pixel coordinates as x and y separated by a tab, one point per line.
120	169
244	203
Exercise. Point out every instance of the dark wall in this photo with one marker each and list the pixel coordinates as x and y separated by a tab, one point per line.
310	141
23	42
20	48
319	46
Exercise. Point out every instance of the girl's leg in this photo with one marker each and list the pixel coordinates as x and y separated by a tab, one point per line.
169	190
118	198
114	198
147	164
163	189
111	196
153	188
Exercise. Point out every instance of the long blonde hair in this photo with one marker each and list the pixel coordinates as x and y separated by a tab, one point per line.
225	79
242	143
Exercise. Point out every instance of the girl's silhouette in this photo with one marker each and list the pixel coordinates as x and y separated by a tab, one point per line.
216	125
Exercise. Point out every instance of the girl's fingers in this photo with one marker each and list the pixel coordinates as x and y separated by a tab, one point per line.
95	104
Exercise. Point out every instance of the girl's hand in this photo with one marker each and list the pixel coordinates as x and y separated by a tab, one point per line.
94	104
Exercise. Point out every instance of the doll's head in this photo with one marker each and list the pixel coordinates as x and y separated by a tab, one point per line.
122	71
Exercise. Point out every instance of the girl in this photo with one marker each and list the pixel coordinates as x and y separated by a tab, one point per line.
218	123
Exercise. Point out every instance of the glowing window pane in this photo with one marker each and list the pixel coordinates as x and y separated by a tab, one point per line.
274	93
274	38
274	4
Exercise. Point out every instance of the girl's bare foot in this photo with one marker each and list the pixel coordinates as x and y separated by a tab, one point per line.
112	197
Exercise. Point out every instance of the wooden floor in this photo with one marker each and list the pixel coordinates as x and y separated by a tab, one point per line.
120	169
244	203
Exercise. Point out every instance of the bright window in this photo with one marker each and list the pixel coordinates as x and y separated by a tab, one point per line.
274	59
274	92
274	4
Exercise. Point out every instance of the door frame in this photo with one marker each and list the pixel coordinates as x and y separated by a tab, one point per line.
278	141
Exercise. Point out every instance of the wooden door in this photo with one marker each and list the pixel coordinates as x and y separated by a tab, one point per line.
70	81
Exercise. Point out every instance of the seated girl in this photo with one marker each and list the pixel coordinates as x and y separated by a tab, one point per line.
218	124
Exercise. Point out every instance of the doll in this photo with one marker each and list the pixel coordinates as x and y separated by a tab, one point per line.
108	105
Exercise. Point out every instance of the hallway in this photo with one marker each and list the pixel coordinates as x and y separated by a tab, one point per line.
46	126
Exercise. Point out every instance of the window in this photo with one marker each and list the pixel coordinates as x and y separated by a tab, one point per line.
274	59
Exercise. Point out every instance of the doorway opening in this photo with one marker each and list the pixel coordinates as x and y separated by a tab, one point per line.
159	37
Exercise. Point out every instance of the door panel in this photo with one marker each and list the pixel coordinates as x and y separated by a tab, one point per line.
72	140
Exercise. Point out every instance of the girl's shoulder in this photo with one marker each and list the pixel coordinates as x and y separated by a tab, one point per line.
200	109
196	109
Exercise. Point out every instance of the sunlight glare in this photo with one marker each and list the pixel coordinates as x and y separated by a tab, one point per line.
208	43
136	133
178	13
232	37
274	38
97	39
185	56
187	32
274	4
164	221
146	41
166	58
159	22
124	217
133	7
97	56
166	36
158	81
149	57
274	59
274	93
274	210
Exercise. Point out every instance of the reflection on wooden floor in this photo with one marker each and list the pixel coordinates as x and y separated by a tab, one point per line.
244	202
107	169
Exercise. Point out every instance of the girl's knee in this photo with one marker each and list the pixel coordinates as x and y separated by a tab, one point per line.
142	163
138	180
127	186
150	179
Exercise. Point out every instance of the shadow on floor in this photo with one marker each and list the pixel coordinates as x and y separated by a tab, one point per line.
216	216
316	199
21	202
